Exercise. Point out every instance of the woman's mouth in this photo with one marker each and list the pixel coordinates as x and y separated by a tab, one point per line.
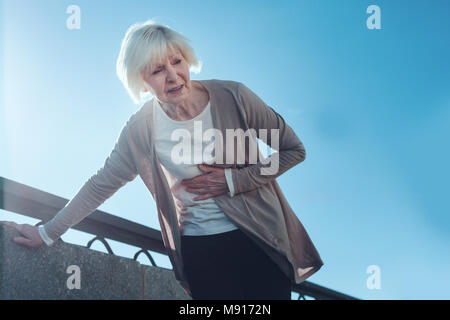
177	89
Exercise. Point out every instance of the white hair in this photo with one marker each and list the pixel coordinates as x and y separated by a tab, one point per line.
144	45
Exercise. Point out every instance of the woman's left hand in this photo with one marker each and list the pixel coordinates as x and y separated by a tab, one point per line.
208	185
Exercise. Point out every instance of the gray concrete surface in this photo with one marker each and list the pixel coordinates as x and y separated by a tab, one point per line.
46	273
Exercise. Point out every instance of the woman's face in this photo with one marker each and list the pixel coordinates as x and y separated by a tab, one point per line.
169	74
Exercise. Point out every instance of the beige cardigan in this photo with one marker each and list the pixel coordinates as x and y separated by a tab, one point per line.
258	206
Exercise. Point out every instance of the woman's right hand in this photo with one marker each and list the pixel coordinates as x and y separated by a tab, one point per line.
30	234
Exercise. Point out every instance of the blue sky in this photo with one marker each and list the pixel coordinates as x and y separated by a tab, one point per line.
372	108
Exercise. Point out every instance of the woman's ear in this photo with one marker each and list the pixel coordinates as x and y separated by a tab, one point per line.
146	87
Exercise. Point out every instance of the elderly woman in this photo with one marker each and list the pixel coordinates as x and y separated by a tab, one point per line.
228	229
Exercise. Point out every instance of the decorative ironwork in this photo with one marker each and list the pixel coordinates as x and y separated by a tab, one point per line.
102	240
149	256
301	296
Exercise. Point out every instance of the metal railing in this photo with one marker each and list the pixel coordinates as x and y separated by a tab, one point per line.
25	200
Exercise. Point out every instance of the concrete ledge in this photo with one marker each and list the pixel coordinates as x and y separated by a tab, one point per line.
46	273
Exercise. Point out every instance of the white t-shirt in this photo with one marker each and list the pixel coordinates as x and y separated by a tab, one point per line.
202	217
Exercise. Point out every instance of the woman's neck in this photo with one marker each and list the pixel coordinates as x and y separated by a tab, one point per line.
190	107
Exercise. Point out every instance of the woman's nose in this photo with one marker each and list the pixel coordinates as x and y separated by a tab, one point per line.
171	73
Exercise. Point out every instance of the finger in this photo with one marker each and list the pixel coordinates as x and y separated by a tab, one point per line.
203	197
197	190
205	168
10	224
179	203
23	241
179	206
195	179
196	186
200	178
195	183
185	181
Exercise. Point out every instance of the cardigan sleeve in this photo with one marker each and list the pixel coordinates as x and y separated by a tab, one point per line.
279	136
118	169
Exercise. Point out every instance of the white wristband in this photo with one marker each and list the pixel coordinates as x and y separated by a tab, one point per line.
44	236
229	178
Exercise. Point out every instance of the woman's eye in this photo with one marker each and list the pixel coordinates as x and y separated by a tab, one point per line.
157	71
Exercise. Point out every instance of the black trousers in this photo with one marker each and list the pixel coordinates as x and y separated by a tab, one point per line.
230	266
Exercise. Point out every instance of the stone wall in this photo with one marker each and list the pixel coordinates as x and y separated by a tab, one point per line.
66	271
